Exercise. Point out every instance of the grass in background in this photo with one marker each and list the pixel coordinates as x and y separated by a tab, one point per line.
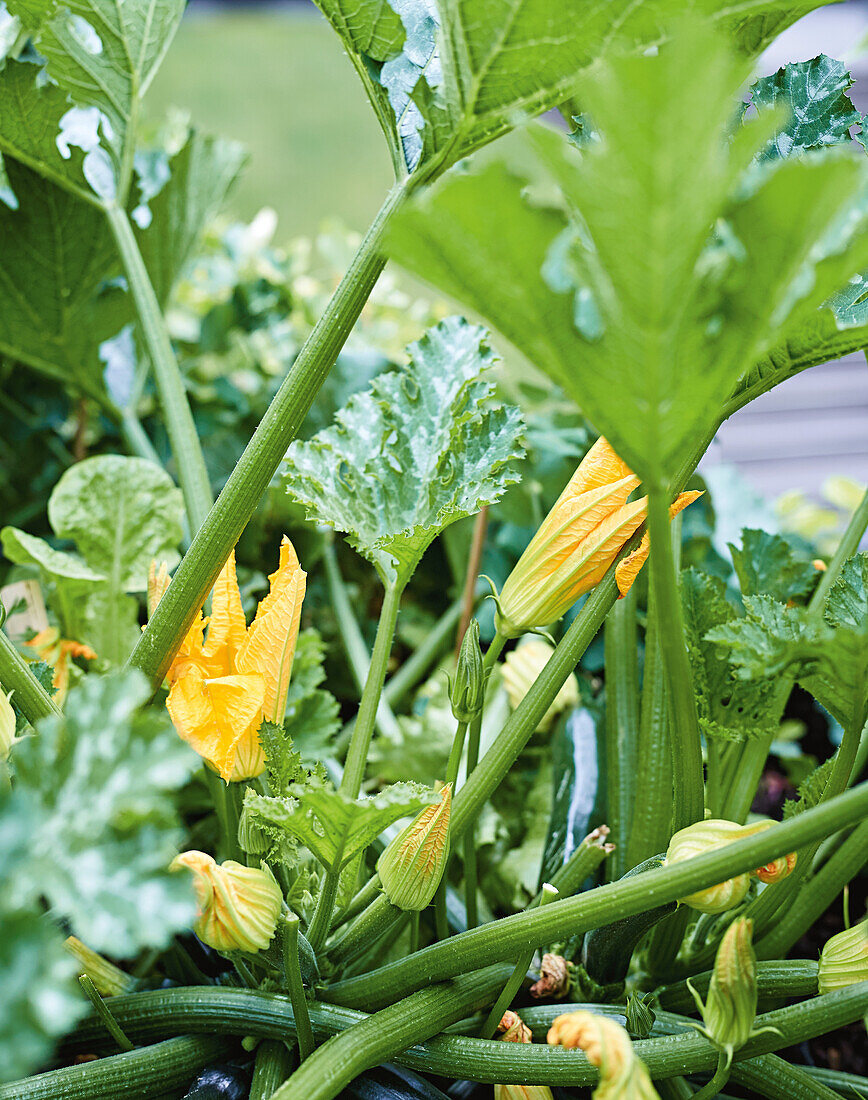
278	81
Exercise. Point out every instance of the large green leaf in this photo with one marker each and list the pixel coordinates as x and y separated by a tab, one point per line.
422	448
767	565
332	826
99	786
101	57
674	278
728	708
446	76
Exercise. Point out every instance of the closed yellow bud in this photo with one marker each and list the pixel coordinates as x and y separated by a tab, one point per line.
7	725
238	906
412	865
520	671
730	1009
706	836
777	869
623	1076
844	959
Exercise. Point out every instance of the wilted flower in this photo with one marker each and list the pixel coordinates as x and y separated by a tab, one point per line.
554	978
730	1008
238	906
467	690
223	687
7	725
515	1030
844	959
576	543
57	651
622	1075
706	836
412	865
521	668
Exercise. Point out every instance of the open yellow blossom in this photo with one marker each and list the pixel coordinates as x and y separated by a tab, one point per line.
224	686
57	651
623	1076
577	542
238	906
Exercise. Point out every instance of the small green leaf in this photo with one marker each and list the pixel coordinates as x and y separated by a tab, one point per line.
330	825
815	107
282	762
422	448
767	565
101	782
729	708
810	790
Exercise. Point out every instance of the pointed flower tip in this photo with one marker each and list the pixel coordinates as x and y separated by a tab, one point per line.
628	569
158	582
844	959
412	865
730	1010
238	906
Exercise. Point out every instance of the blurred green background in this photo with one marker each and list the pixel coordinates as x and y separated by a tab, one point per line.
278	81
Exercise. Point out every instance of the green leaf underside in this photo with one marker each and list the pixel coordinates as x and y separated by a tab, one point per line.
446	76
829	658
728	708
767	565
101	57
102	860
645	320
330	825
422	448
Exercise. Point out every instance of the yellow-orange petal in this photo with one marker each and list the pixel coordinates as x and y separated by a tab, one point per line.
600	466
158	582
78	649
627	570
213	715
269	647
190	651
249	755
227	628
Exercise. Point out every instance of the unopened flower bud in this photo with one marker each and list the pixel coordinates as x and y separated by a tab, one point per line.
730	1008
109	979
844	959
622	1075
411	867
513	1029
251	836
520	671
777	869
7	725
706	836
238	906
554	978
640	1015
467	690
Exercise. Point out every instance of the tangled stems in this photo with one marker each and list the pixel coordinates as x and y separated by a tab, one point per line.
151	1015
262	456
560	920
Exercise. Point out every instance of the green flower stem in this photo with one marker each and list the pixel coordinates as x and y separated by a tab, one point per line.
240	497
15	676
357	755
186	449
292	972
549	893
847	547
650	821
212	1009
811	902
454	761
687	756
226	809
365	931
274	1063
143	1072
351	636
109	1022
622	725
368	893
471	902
721	1075
387	1033
502	939
795	978
778	1080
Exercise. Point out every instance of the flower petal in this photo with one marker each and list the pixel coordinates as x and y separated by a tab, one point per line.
227	628
628	570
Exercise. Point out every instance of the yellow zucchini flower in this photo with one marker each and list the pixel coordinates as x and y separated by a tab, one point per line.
844	959
224	686
577	542
57	651
623	1076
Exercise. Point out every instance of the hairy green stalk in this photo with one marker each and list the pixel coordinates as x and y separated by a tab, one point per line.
237	502
775	980
274	1063
622	725
686	747
183	438
295	986
501	939
28	694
